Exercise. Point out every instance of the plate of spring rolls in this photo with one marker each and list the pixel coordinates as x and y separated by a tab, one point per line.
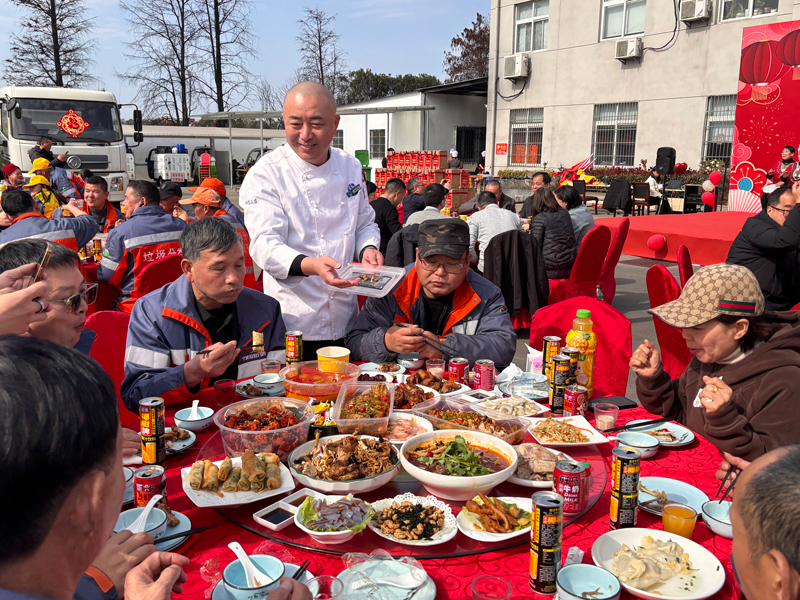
235	481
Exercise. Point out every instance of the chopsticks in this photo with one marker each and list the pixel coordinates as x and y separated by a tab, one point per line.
639	424
248	347
730	487
302	570
435	344
175	536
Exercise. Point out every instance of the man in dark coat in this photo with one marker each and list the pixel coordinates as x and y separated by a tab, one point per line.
503	201
414	201
43	150
539	180
385	208
767	245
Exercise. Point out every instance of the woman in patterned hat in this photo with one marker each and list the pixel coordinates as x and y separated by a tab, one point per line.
740	390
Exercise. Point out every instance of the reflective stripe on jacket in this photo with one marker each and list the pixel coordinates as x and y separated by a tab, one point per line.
72	233
148	235
166	331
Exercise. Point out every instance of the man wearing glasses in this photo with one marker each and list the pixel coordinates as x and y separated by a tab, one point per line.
768	245
440	298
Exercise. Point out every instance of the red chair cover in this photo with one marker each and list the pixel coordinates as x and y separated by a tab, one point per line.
111	327
608	282
685	268
613	333
662	288
586	270
158	274
796	307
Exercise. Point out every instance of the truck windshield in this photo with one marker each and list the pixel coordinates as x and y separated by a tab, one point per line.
39	117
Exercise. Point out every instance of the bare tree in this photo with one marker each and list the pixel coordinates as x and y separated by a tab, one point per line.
322	60
468	57
55	46
164	62
224	43
270	98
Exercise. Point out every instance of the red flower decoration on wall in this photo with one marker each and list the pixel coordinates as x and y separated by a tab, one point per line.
748	179
72	124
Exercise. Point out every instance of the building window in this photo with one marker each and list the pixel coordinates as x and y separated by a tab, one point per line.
622	17
526	136
470	142
614	134
531	26
338	139
718	139
377	143
741	9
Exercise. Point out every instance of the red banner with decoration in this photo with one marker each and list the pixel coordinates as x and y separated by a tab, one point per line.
72	124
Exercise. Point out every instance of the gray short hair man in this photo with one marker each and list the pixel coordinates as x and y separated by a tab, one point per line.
415	185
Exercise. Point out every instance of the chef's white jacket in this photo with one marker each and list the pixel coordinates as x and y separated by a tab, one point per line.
292	207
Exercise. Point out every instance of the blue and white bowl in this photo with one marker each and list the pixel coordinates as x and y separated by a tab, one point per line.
206	417
234	580
574	580
155	525
643	443
717	516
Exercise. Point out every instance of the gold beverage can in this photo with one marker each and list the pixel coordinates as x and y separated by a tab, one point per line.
294	347
625	469
547	522
151	422
573	363
552	346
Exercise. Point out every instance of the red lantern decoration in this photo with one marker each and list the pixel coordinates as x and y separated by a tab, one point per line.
708	199
656	242
760	67
788	52
715	177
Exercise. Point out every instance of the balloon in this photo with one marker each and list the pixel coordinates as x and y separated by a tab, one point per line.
656	242
708	186
715	177
707	198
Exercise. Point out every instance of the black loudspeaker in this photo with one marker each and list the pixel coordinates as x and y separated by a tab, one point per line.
692	202
665	161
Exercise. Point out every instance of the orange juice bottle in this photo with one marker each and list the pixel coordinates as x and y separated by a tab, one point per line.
584	340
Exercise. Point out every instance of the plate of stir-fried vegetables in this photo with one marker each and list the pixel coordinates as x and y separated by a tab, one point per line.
565	431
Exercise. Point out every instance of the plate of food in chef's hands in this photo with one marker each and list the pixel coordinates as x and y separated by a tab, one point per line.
657	565
489	519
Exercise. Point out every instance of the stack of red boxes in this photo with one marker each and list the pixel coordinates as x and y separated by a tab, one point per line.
431	167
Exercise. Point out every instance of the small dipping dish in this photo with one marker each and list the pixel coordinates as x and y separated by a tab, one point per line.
182	418
717	516
411	360
155	525
235	584
267	381
645	444
573	581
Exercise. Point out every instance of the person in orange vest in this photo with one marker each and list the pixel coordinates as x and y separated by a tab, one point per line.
207	203
229	207
97	203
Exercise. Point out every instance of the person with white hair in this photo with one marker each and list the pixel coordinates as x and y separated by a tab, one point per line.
454	162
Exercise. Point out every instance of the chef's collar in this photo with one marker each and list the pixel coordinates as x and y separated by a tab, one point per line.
307	166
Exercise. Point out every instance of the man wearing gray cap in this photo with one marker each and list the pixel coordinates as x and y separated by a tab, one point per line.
170	194
439	298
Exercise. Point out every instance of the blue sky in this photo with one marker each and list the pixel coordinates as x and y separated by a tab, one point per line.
388	36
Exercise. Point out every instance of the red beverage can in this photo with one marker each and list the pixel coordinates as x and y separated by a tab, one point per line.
574	400
151	422
294	347
571	482
147	482
484	375
458	370
552	345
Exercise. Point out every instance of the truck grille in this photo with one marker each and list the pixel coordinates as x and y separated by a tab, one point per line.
93	161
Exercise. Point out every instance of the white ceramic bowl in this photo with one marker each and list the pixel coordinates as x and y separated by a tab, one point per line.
573	581
717	516
645	444
182	418
460	488
233	578
411	360
267	381
155	525
337	487
325	537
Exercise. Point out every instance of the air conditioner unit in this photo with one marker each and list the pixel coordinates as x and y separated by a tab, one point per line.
628	49
516	67
695	10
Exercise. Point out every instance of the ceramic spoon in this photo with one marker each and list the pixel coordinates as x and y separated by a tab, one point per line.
138	525
194	415
251	572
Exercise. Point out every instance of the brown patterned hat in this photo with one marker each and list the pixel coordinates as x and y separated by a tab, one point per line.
714	291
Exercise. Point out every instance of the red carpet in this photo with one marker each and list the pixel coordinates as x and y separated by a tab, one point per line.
707	235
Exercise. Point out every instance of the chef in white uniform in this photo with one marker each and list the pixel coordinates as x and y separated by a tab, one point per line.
306	208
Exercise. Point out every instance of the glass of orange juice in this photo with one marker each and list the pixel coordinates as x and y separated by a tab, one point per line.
679	519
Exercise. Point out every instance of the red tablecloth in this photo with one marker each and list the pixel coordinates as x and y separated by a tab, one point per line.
694	464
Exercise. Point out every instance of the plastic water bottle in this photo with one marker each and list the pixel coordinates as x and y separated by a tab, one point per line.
600	294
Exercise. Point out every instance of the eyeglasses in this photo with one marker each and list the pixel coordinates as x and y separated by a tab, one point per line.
451	268
88	294
785	211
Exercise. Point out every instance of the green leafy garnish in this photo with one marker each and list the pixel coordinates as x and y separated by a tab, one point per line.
458	459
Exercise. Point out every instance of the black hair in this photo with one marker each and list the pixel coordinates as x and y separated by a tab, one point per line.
146	190
792	148
758	330
86	173
544	201
96	180
546	179
60	417
213	235
16	203
371	188
773	200
24	252
433	194
486	198
390	149
769	509
45	138
393	185
569	196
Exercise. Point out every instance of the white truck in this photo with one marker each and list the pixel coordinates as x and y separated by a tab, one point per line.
83	124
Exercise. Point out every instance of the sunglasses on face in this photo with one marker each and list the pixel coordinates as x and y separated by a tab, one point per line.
88	294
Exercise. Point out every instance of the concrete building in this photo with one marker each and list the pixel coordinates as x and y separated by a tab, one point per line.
578	99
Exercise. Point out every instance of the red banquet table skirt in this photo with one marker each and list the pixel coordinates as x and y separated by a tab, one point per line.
694	464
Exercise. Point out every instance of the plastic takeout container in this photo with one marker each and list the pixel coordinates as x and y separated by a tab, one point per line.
515	426
306	380
374	427
375	281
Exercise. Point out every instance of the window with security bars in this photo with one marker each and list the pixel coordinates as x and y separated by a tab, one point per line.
377	143
614	134
470	142
531	26
718	139
338	139
526	131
